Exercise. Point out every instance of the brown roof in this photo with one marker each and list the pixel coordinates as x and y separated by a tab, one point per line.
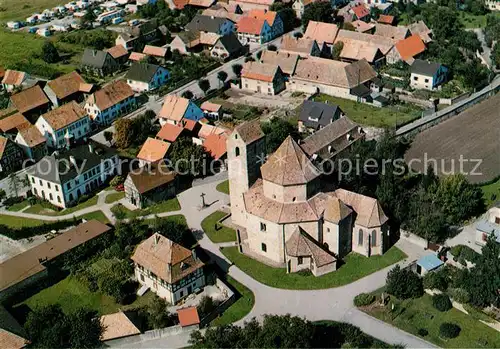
211	107
137	56
169	132
189	124
269	16
250	25
386	19
321	32
64	115
174	107
335	210
117	325
117	51
327	135
12	122
259	71
111	95
155	51
388	31
369	214
3	144
356	50
153	150
298	45
9	340
68	84
300	244
201	3
215	145
207	130
410	47
26	264
188	316
286	61
289	165
32	136
168	260
13	77
209	38
384	44
422	30
29	99
362	26
250	131
145	181
335	73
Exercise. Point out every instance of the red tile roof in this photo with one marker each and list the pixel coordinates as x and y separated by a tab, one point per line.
169	132
361	11
216	145
386	19
68	84
14	77
250	25
410	47
117	51
269	16
189	124
111	95
188	316
211	107
15	121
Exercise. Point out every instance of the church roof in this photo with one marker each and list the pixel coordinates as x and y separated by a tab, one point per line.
368	210
301	244
336	210
250	131
289	165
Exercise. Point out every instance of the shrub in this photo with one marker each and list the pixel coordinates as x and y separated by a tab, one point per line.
436	280
449	330
363	299
422	332
404	284
460	295
12	200
116	181
441	302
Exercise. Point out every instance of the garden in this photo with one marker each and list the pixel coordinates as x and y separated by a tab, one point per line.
355	267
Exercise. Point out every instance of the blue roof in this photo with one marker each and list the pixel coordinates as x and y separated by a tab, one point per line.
430	262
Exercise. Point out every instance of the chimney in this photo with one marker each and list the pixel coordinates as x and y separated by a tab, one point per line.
157	238
72	160
91	148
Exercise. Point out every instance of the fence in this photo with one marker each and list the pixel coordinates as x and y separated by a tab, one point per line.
231	298
150	335
422	102
451	101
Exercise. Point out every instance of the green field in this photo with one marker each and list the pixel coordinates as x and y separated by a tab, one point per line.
20	222
21	9
413	314
472	21
223	187
44	210
121	212
19	206
239	309
491	192
356	266
71	294
114	197
224	234
367	115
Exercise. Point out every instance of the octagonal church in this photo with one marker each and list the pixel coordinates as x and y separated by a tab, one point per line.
283	216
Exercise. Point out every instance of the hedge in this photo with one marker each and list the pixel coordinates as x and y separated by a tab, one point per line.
363	299
449	330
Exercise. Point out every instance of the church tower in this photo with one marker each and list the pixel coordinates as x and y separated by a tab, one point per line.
245	154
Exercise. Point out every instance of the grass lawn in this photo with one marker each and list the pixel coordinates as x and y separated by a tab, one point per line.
472	21
367	115
121	212
71	294
413	314
238	309
224	234
491	192
223	187
356	266
114	197
19	206
45	210
98	215
21	9
178	218
20	222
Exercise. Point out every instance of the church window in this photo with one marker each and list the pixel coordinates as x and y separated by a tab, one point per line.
263	226
374	238
263	247
237	151
360	237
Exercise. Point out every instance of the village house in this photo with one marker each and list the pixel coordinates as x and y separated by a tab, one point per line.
11	124
143	77
395	33
170	133
64	125
63	177
406	50
211	110
211	24
110	102
215	146
358	46
99	62
13	79
33	265
32	142
286	218
227	47
31	102
286	61
168	269
11	156
334	78
136	57
333	139
427	75
136	36
254	30
206	131
119	54
117	325
158	53
175	109
231	12
301	46
187	41
146	188
248	5
493	5
324	34
262	78
152	151
420	28
488	225
66	88
314	116
272	18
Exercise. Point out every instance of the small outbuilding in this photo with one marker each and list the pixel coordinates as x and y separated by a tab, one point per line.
428	263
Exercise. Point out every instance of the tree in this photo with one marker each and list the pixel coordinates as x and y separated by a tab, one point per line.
237	68
222	76
404	284
86	329
176	232
187	158
441	302
123	133
276	131
14	184
187	94
158	314
3	195
319	12
88	18
289	18
49	52
337	49
108	136
204	85
495	55
375	13
448	330
206	306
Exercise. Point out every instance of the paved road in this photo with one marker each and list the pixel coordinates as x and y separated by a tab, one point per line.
486	54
